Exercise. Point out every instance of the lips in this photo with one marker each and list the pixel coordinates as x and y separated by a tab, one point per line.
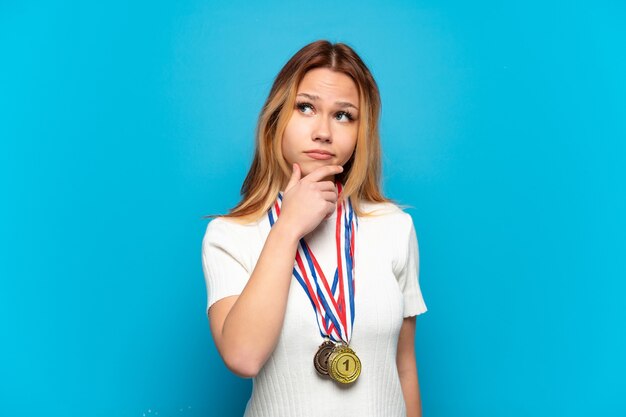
319	154
319	151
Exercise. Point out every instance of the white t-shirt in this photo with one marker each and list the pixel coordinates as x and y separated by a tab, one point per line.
386	290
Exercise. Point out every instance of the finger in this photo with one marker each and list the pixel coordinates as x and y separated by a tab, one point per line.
330	213
324	171
295	176
330	196
326	186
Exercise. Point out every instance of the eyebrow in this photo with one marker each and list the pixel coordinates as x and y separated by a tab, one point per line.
342	104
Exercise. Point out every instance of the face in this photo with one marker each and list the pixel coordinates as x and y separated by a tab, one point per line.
324	118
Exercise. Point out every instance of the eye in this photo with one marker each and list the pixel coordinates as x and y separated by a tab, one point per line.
302	106
347	114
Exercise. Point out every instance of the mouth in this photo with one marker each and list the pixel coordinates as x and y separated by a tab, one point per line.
319	154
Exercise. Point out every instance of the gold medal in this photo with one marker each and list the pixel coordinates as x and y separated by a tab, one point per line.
344	365
320	360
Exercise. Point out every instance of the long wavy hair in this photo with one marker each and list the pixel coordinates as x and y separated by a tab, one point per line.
269	170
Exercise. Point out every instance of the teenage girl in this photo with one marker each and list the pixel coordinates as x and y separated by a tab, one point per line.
312	279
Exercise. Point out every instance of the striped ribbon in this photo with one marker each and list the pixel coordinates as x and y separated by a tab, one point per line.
333	303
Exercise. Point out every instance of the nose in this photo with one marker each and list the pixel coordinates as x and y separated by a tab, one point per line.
321	131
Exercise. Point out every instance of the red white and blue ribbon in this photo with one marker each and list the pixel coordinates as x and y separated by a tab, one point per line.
333	303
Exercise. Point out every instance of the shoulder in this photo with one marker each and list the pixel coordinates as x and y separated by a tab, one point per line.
390	228
390	221
387	213
221	228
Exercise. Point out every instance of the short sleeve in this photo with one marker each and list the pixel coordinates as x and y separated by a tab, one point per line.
223	261
408	274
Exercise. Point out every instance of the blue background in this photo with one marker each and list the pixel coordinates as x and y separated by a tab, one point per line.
123	123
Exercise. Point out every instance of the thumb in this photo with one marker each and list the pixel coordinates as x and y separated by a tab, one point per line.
295	176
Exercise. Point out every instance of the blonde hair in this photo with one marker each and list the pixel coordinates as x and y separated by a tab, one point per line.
269	170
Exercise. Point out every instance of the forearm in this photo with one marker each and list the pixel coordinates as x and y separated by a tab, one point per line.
253	325
411	392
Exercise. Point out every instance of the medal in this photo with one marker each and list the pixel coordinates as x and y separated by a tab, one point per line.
320	360
333	304
344	365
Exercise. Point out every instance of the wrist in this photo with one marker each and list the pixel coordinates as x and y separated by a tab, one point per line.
285	232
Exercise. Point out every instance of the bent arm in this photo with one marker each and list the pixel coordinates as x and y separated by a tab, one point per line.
246	327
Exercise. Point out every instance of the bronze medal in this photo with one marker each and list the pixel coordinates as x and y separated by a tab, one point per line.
344	365
320	360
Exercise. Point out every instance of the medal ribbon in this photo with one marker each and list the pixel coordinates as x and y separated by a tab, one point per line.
335	317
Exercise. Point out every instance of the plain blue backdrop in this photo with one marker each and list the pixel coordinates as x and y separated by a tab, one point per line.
123	123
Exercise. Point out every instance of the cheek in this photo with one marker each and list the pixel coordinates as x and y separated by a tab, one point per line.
295	131
349	154
287	134
289	140
349	141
